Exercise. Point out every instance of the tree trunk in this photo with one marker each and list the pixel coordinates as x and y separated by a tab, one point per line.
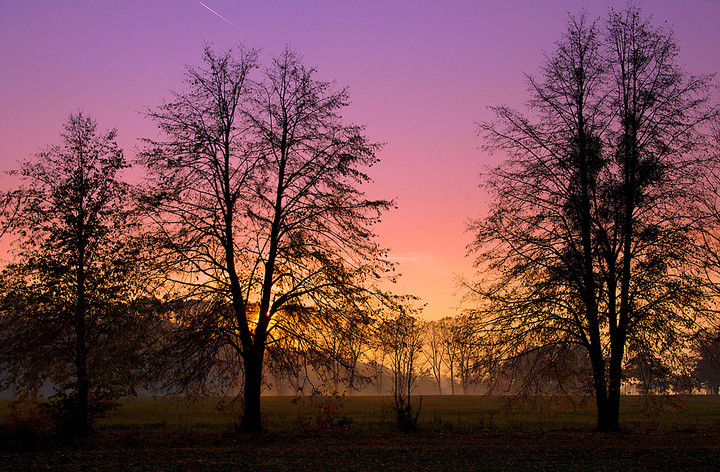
80	415
615	381
251	421
608	407
601	400
613	413
612	420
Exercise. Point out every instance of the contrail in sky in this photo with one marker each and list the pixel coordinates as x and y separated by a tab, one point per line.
217	14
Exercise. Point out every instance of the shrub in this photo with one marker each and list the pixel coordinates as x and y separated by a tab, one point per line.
29	421
63	409
321	413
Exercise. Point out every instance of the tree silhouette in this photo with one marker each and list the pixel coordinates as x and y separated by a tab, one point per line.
434	336
593	228
257	208
72	305
400	336
706	365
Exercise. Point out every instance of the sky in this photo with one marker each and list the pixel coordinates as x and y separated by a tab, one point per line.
420	74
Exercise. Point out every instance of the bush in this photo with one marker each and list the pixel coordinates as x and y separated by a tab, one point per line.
321	413
29	421
406	416
63	409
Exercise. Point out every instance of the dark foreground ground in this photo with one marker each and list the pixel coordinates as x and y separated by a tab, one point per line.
374	451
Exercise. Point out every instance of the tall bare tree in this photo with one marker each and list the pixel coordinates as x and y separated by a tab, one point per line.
199	179
72	299
658	144
593	226
258	207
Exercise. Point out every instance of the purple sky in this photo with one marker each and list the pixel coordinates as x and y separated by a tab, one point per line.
420	74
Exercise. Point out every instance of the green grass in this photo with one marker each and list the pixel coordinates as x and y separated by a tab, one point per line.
461	413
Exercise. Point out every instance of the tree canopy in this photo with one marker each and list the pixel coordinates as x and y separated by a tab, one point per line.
72	298
592	234
256	204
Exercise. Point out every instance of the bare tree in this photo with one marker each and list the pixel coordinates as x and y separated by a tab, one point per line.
345	341
460	350
464	337
592	229
434	352
450	349
257	205
655	298
400	335
199	178
73	309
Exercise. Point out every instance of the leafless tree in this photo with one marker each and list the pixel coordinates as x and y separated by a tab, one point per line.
257	206
460	350
433	351
450	349
463	337
400	335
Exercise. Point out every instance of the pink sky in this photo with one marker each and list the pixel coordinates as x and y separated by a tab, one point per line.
420	74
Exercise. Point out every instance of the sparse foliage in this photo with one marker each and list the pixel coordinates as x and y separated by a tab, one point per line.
256	204
434	352
593	230
400	336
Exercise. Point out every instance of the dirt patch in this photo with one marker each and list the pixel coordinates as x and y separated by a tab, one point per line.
375	450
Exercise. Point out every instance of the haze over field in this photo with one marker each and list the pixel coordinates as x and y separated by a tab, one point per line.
420	75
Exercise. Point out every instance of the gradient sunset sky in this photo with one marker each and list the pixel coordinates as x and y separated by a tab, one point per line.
420	74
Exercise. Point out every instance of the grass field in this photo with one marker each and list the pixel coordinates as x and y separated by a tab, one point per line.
456	433
461	413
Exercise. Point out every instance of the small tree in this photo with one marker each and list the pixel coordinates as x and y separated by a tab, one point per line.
463	337
400	335
72	299
433	352
460	350
449	348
